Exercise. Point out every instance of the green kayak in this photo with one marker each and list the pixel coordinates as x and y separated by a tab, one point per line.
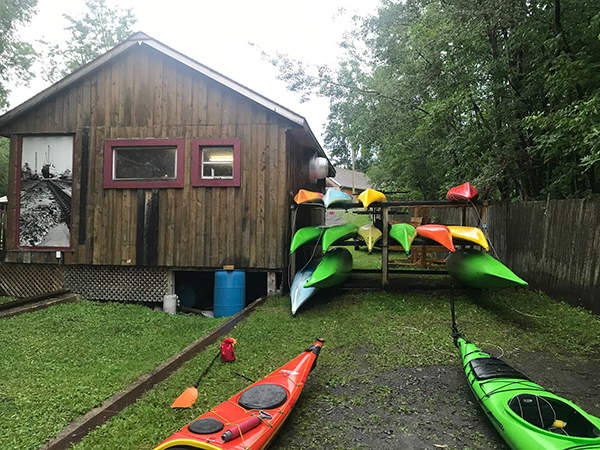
480	270
338	233
405	234
306	235
333	269
527	416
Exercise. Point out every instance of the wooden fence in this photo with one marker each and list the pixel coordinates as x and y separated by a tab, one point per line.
554	245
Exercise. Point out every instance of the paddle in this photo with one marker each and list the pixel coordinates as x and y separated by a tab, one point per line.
189	396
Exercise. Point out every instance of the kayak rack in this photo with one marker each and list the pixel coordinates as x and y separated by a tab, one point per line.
420	216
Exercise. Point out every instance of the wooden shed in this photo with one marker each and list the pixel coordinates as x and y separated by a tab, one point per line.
144	166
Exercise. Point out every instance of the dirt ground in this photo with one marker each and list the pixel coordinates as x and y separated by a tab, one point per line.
426	408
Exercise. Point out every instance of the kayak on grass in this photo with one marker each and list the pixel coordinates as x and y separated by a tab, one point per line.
298	293
251	418
527	416
369	196
370	234
471	234
306	235
480	270
334	196
333	269
338	233
438	233
304	196
462	193
405	234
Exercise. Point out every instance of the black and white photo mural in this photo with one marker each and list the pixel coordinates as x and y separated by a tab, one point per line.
45	207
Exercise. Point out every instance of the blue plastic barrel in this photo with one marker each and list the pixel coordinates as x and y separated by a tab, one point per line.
230	292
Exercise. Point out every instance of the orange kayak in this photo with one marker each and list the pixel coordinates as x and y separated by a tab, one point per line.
304	196
251	418
438	233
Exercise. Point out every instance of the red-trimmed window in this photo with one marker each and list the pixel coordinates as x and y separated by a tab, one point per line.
143	163
216	162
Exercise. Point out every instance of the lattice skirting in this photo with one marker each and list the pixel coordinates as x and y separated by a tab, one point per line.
30	280
128	284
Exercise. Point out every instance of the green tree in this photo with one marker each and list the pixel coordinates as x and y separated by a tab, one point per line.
16	57
4	147
95	32
502	93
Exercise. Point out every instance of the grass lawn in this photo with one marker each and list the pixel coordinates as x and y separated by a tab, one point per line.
367	334
61	362
6	299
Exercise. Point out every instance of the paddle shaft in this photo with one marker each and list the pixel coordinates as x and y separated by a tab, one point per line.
206	370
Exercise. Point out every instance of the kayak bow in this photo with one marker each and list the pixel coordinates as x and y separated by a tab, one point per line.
480	270
306	235
405	234
369	196
471	234
338	233
333	269
251	418
370	234
334	196
298	293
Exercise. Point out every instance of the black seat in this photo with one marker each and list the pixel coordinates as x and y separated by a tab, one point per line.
487	368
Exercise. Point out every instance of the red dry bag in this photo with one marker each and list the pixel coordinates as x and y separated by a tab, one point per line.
227	352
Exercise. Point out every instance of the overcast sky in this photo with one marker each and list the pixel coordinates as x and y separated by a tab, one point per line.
217	34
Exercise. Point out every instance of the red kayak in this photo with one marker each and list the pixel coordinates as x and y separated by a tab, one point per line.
438	233
251	418
462	193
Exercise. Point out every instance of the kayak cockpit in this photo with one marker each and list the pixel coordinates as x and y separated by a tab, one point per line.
552	415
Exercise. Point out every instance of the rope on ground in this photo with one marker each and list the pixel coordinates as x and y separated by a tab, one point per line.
484	344
432	341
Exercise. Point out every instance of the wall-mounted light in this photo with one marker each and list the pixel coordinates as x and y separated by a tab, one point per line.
318	168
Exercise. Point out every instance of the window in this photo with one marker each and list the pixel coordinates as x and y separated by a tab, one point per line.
216	162
143	163
45	185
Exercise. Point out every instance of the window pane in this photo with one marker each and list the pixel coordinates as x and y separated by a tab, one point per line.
217	162
217	170
217	154
145	163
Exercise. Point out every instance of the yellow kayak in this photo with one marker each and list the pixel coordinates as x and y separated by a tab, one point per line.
370	234
369	196
472	234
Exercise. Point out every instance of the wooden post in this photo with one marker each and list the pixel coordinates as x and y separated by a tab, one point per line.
384	247
271	283
293	255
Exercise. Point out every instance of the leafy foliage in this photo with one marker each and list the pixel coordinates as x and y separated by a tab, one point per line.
498	92
98	30
16	57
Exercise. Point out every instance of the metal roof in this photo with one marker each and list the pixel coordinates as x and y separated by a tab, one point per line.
343	178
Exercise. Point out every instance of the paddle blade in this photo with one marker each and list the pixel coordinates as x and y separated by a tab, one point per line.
186	399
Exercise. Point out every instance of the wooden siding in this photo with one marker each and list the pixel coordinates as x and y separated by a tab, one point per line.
144	94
